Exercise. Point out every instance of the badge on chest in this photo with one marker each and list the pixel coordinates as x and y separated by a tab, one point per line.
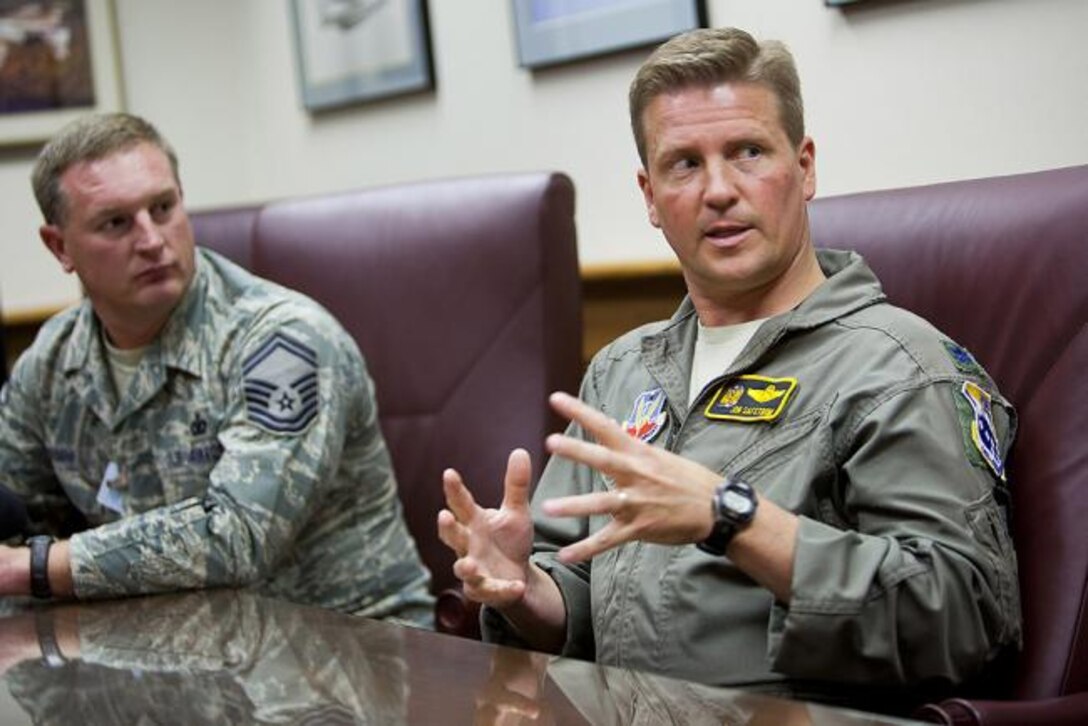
751	398
648	415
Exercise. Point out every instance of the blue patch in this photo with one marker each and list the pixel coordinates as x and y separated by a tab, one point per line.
962	359
280	380
981	430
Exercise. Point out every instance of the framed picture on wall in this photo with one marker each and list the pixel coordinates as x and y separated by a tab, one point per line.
550	32
58	60
351	51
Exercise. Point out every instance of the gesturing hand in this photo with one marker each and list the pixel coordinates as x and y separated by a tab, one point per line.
492	545
658	496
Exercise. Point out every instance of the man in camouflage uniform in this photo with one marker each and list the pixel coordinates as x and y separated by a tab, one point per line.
203	426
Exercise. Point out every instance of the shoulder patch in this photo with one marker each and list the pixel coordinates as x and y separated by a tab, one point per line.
751	398
280	380
980	436
962	359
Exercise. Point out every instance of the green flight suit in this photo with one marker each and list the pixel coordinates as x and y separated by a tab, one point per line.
904	570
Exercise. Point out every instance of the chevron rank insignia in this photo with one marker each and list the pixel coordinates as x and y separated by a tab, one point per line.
751	398
648	415
280	380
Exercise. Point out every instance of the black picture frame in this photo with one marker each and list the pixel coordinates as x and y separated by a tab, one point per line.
553	32
354	51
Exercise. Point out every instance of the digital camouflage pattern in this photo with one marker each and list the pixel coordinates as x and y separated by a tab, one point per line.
246	451
217	657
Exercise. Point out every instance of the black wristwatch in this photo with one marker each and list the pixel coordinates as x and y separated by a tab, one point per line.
39	566
733	506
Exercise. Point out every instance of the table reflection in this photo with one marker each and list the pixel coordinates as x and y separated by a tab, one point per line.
228	657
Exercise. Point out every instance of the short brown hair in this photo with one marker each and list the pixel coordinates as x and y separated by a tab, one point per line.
89	138
711	56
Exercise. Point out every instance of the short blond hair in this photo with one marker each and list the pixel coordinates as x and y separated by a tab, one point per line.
89	138
712	56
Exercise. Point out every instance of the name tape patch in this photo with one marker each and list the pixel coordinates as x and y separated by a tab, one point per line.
751	398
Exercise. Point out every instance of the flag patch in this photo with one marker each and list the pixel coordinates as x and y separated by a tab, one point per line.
280	380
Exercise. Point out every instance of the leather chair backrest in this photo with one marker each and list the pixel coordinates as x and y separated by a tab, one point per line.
1001	266
463	295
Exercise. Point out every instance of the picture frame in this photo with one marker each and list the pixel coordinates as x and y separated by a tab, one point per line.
59	62
355	51
553	32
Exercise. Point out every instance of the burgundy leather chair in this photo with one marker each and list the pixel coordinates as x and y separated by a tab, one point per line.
464	296
1001	265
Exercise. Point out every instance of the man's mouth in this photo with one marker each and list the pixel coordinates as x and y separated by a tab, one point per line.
154	274
726	234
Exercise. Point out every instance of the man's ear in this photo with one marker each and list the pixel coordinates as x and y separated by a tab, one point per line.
807	159
648	196
53	239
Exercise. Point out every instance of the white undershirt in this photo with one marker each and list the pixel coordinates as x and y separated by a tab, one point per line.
715	350
123	365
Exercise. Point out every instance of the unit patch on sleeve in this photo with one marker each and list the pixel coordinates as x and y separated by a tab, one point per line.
648	415
979	428
962	359
751	398
280	380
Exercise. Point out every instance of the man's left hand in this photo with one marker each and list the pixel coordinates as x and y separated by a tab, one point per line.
657	496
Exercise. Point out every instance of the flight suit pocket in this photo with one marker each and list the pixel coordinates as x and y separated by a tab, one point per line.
990	529
772	450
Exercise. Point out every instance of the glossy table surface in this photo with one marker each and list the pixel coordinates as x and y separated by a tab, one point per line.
226	657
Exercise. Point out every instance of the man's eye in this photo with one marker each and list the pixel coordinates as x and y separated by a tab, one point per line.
162	209
114	224
685	164
749	151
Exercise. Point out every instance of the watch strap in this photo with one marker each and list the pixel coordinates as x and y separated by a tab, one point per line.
47	639
726	521
39	566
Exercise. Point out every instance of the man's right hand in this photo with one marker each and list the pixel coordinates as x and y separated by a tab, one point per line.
492	545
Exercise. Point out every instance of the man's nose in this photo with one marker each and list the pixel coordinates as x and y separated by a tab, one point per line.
148	235
721	186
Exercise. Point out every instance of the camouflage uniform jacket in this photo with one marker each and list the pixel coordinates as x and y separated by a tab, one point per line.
861	425
246	451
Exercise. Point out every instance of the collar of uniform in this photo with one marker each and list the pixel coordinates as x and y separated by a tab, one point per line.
850	286
661	352
180	342
84	335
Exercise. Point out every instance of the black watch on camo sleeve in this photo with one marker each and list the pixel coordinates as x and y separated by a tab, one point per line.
39	566
733	506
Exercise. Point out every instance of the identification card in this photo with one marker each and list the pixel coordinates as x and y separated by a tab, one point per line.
109	497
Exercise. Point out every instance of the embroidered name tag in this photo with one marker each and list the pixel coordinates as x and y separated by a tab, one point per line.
751	398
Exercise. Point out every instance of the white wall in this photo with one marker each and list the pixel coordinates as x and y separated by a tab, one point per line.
898	92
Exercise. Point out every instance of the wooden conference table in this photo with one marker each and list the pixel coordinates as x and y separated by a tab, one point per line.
226	657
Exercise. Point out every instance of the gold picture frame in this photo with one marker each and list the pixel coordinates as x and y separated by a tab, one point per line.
58	61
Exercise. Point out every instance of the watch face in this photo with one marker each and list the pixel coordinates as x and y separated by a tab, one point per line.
737	503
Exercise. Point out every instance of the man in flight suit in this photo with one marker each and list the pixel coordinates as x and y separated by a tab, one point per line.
805	490
190	425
